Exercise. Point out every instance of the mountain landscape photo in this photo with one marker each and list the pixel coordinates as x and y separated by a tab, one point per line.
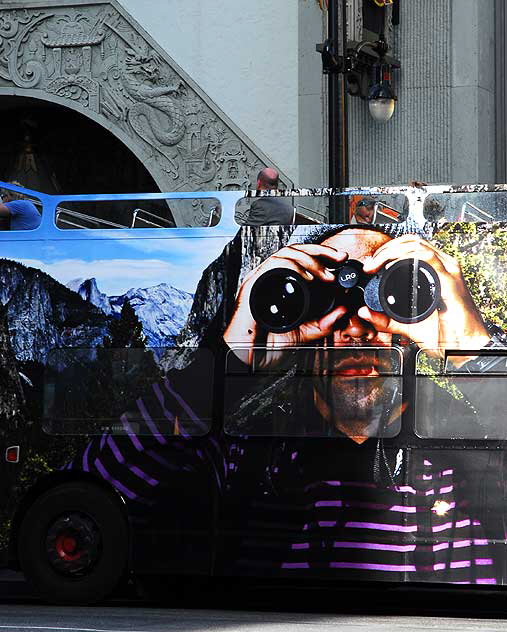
162	309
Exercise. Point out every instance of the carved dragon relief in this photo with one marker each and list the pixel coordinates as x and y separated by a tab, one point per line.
93	57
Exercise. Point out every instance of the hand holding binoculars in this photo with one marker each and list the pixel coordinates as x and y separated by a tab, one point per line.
408	291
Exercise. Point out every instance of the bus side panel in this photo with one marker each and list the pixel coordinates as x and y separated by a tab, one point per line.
111	392
461	532
22	299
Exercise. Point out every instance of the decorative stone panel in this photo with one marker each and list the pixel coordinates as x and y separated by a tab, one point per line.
94	58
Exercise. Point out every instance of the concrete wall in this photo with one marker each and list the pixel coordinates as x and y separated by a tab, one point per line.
312	104
248	58
443	126
473	91
257	61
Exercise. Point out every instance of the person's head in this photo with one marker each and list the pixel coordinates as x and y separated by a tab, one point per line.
365	211
433	210
267	178
9	196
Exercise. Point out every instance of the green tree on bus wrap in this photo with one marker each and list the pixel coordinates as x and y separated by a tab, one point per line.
125	368
481	250
126	331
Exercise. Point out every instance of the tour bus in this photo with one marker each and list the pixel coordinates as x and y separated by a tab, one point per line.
187	394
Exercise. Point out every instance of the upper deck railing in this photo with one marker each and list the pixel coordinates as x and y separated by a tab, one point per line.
221	212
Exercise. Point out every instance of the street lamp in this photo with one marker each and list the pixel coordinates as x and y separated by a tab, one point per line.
360	69
367	70
381	97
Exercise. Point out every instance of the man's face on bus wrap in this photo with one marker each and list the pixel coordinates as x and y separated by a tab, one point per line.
347	379
349	382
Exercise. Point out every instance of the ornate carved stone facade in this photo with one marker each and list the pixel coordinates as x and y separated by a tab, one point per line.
93	58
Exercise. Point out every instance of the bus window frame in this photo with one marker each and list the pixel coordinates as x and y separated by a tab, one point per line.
232	353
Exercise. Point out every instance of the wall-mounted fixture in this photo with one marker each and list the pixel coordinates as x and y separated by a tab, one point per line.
368	73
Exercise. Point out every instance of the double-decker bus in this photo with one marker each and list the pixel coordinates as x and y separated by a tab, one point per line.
186	394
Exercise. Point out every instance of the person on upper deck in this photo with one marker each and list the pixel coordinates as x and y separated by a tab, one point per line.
266	211
364	212
20	211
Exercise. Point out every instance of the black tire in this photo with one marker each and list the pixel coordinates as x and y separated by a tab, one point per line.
73	544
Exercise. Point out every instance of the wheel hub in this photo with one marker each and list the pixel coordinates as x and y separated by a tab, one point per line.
73	544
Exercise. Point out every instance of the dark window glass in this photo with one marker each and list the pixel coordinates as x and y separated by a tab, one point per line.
485	206
128	391
144	213
456	400
313	391
319	209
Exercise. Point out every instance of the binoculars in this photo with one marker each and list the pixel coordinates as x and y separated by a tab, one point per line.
408	291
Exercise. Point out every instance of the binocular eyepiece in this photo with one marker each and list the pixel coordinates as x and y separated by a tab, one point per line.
408	292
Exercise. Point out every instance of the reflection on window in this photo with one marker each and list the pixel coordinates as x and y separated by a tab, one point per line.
466	207
144	213
323	392
461	396
360	209
377	209
127	392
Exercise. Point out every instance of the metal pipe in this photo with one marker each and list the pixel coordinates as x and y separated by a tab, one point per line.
337	112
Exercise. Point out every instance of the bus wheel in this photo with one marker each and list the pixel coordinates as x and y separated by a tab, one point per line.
73	544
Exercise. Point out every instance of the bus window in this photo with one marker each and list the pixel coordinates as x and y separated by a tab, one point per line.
288	392
466	207
377	209
138	213
19	211
125	392
462	401
318	209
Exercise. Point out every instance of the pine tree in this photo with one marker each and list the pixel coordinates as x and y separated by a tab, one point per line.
124	369
126	332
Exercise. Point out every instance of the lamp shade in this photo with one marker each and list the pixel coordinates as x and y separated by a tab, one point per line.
381	101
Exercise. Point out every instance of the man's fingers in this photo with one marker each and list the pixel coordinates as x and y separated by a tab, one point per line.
410	251
308	259
323	327
319	250
380	321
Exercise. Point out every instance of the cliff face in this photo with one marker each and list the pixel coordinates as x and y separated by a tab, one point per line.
13	427
11	393
43	314
88	291
216	291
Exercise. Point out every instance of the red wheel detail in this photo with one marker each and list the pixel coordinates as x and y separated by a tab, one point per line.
66	546
73	544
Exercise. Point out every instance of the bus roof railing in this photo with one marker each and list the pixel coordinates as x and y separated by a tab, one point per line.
387	211
82	216
465	212
136	217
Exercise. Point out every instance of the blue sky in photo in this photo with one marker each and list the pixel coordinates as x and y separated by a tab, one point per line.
121	264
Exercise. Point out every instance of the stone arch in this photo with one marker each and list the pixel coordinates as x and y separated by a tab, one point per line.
94	59
49	146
